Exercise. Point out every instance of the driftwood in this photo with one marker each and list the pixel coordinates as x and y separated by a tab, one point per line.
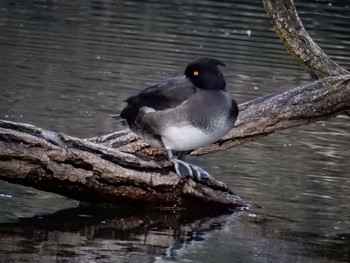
119	167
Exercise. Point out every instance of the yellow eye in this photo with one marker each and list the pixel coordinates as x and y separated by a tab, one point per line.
195	73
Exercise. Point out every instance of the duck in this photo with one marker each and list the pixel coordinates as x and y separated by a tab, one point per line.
183	113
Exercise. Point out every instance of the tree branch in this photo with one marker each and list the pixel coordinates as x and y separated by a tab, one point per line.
290	29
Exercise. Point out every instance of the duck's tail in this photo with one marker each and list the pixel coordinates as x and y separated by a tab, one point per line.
118	119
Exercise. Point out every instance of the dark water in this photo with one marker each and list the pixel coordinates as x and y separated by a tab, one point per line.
67	65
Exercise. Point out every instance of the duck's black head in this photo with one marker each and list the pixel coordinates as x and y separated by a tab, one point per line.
205	74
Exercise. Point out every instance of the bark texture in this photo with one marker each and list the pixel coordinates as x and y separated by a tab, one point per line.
91	172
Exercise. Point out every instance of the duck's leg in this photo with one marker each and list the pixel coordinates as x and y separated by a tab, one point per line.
185	170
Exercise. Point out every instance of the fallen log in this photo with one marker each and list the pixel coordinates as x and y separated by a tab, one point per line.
119	167
87	171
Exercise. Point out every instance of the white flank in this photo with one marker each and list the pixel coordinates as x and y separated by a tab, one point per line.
189	137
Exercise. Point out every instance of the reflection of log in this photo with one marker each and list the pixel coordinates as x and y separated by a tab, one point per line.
110	234
91	171
97	234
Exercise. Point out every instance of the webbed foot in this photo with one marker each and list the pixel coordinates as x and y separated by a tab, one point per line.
186	170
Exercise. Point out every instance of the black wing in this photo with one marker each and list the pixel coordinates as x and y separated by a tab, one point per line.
166	94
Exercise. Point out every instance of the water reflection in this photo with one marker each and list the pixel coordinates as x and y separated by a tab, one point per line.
111	234
67	65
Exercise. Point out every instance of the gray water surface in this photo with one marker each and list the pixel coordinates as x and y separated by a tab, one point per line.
67	66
